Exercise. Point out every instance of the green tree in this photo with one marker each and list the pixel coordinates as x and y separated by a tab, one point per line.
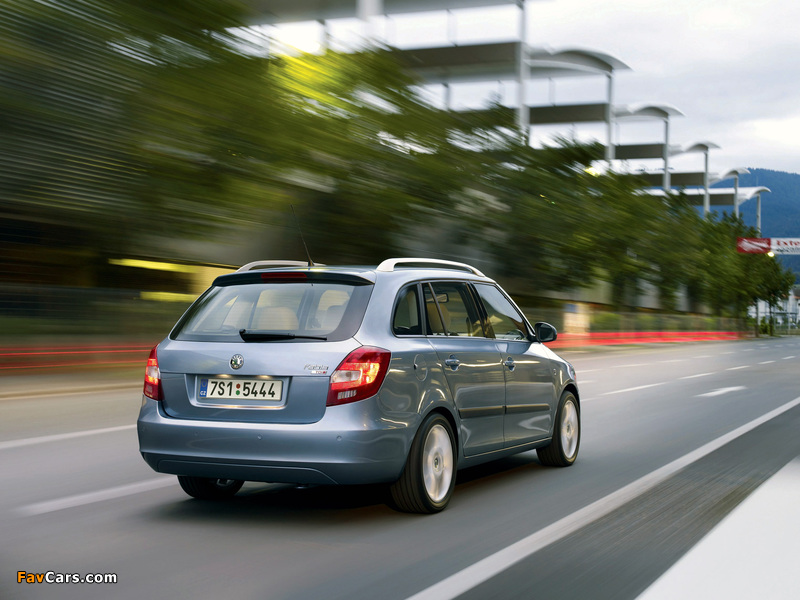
674	250
732	281
122	119
389	159
531	220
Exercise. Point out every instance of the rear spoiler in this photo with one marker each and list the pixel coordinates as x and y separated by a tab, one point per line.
293	276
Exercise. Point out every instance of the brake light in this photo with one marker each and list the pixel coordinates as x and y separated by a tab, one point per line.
284	276
359	376
152	377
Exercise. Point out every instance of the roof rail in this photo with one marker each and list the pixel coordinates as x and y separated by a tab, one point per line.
391	263
270	264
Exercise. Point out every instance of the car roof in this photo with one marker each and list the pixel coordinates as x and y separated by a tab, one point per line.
430	266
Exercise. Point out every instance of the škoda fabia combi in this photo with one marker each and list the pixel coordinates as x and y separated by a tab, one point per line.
397	374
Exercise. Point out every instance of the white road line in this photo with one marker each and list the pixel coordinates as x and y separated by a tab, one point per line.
634	389
698	375
61	436
788	357
748	350
41	508
767	362
583	381
728	352
633	365
588	371
737	368
483	570
703	356
674	360
721	391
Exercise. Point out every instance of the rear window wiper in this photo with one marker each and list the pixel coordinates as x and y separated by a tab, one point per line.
265	336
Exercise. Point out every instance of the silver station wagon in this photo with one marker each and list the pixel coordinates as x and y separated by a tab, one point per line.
397	374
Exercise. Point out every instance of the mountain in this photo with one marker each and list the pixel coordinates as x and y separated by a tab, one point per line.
780	208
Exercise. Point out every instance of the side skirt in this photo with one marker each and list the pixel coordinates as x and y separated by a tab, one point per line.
471	461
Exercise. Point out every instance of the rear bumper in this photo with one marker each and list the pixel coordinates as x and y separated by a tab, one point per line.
349	445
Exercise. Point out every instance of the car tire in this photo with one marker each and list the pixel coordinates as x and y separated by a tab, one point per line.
563	448
429	476
203	488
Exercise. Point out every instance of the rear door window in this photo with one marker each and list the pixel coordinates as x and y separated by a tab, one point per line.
451	310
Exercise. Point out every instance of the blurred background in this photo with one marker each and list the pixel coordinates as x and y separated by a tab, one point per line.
149	146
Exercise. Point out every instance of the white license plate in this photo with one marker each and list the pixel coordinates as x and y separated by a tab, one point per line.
253	389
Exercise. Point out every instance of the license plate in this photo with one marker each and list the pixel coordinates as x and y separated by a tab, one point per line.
253	389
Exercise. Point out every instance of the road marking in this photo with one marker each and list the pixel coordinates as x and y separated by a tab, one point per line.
767	362
728	353
584	381
674	360
703	356
41	508
788	357
494	564
721	391
698	375
737	368
748	350
61	436
634	389
589	370
633	365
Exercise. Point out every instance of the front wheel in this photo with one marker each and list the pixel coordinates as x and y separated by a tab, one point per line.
563	449
428	478
203	488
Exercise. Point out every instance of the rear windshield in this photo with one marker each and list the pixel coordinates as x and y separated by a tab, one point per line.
328	309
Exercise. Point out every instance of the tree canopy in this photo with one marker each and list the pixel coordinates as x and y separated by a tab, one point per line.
134	123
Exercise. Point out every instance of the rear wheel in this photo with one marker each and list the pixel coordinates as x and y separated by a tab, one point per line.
563	449
210	489
428	478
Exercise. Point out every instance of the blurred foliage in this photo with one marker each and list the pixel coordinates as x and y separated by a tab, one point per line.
733	280
128	125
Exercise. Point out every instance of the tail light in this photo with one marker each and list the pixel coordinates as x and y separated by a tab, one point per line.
359	376
152	377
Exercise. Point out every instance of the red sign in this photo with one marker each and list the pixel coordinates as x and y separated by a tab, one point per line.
754	245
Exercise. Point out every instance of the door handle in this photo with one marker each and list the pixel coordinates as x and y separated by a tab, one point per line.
509	363
452	362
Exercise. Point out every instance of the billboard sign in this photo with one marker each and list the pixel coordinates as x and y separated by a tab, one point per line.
765	245
754	245
786	245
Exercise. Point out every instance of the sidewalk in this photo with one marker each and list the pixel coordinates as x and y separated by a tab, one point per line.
76	381
752	553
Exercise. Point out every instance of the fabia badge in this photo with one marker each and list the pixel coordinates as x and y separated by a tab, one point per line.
237	360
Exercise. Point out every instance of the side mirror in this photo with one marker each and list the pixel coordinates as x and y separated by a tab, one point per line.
545	332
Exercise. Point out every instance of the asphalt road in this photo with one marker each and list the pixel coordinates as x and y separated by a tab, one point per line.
673	439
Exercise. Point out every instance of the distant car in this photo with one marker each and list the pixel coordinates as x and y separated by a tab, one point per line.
398	374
